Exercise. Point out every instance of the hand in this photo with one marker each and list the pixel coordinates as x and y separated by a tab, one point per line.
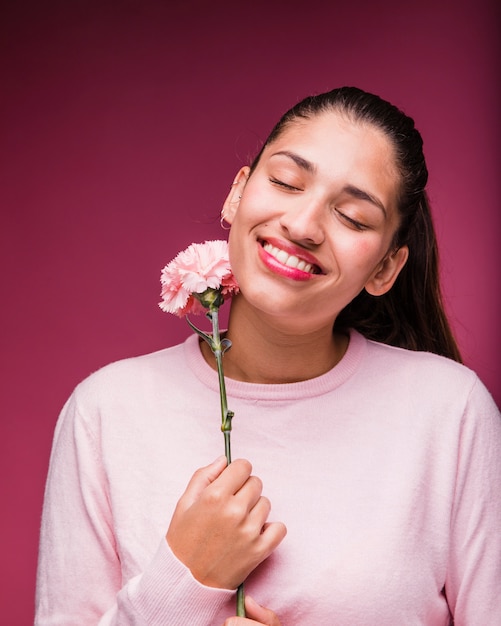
219	529
256	614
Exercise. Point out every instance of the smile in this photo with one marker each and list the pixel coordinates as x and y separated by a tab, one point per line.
290	260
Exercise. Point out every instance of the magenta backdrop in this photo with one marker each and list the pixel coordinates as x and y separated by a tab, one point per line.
122	126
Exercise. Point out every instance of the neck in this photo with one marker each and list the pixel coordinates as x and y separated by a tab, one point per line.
264	351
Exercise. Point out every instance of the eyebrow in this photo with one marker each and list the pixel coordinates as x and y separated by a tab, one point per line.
298	160
360	194
351	190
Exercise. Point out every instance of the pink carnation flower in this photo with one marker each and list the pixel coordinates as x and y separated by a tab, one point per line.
200	267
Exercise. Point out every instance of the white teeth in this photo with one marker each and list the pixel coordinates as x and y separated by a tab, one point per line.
289	260
281	256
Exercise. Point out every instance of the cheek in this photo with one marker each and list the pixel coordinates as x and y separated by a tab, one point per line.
258	201
233	249
237	249
361	252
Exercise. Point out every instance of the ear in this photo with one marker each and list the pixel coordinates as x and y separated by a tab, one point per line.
386	273
232	201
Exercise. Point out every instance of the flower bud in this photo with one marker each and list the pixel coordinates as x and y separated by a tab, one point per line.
210	298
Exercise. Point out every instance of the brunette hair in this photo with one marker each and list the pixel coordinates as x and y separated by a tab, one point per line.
411	314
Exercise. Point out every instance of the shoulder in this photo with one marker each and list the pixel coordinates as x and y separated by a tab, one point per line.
424	376
416	361
128	376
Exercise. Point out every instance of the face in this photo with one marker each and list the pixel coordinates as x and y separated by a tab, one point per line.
315	221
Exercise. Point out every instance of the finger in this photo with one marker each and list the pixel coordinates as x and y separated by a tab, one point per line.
249	494
272	534
243	621
259	613
259	513
201	479
233	478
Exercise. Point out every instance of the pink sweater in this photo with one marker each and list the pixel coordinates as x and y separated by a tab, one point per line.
386	471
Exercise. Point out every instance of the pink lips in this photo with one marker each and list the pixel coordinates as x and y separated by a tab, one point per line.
304	266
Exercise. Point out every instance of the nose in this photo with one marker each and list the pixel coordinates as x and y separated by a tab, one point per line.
303	223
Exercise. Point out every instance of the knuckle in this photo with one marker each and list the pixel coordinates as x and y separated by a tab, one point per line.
258	483
243	464
198	473
234	512
265	503
213	496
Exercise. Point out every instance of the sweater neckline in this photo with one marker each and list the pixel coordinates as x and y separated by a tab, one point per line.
319	385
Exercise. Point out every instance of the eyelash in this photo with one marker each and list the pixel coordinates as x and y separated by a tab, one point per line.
357	225
354	223
284	185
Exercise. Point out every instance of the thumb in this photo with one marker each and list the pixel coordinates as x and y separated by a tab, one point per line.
260	614
201	479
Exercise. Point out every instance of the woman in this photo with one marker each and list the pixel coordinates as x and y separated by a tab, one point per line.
373	493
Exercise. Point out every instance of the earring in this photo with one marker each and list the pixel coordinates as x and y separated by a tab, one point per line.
222	220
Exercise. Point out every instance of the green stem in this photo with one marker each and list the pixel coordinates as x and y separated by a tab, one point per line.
241	601
226	417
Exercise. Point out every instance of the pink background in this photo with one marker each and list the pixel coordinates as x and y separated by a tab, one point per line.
122	126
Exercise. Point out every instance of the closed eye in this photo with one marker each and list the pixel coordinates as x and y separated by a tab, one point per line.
351	222
280	183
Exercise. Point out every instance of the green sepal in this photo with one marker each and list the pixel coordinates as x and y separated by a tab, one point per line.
210	298
205	336
225	345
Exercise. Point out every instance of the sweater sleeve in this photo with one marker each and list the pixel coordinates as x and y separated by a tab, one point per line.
473	584
79	578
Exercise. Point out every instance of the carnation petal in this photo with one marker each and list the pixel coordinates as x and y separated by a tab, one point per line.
194	270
